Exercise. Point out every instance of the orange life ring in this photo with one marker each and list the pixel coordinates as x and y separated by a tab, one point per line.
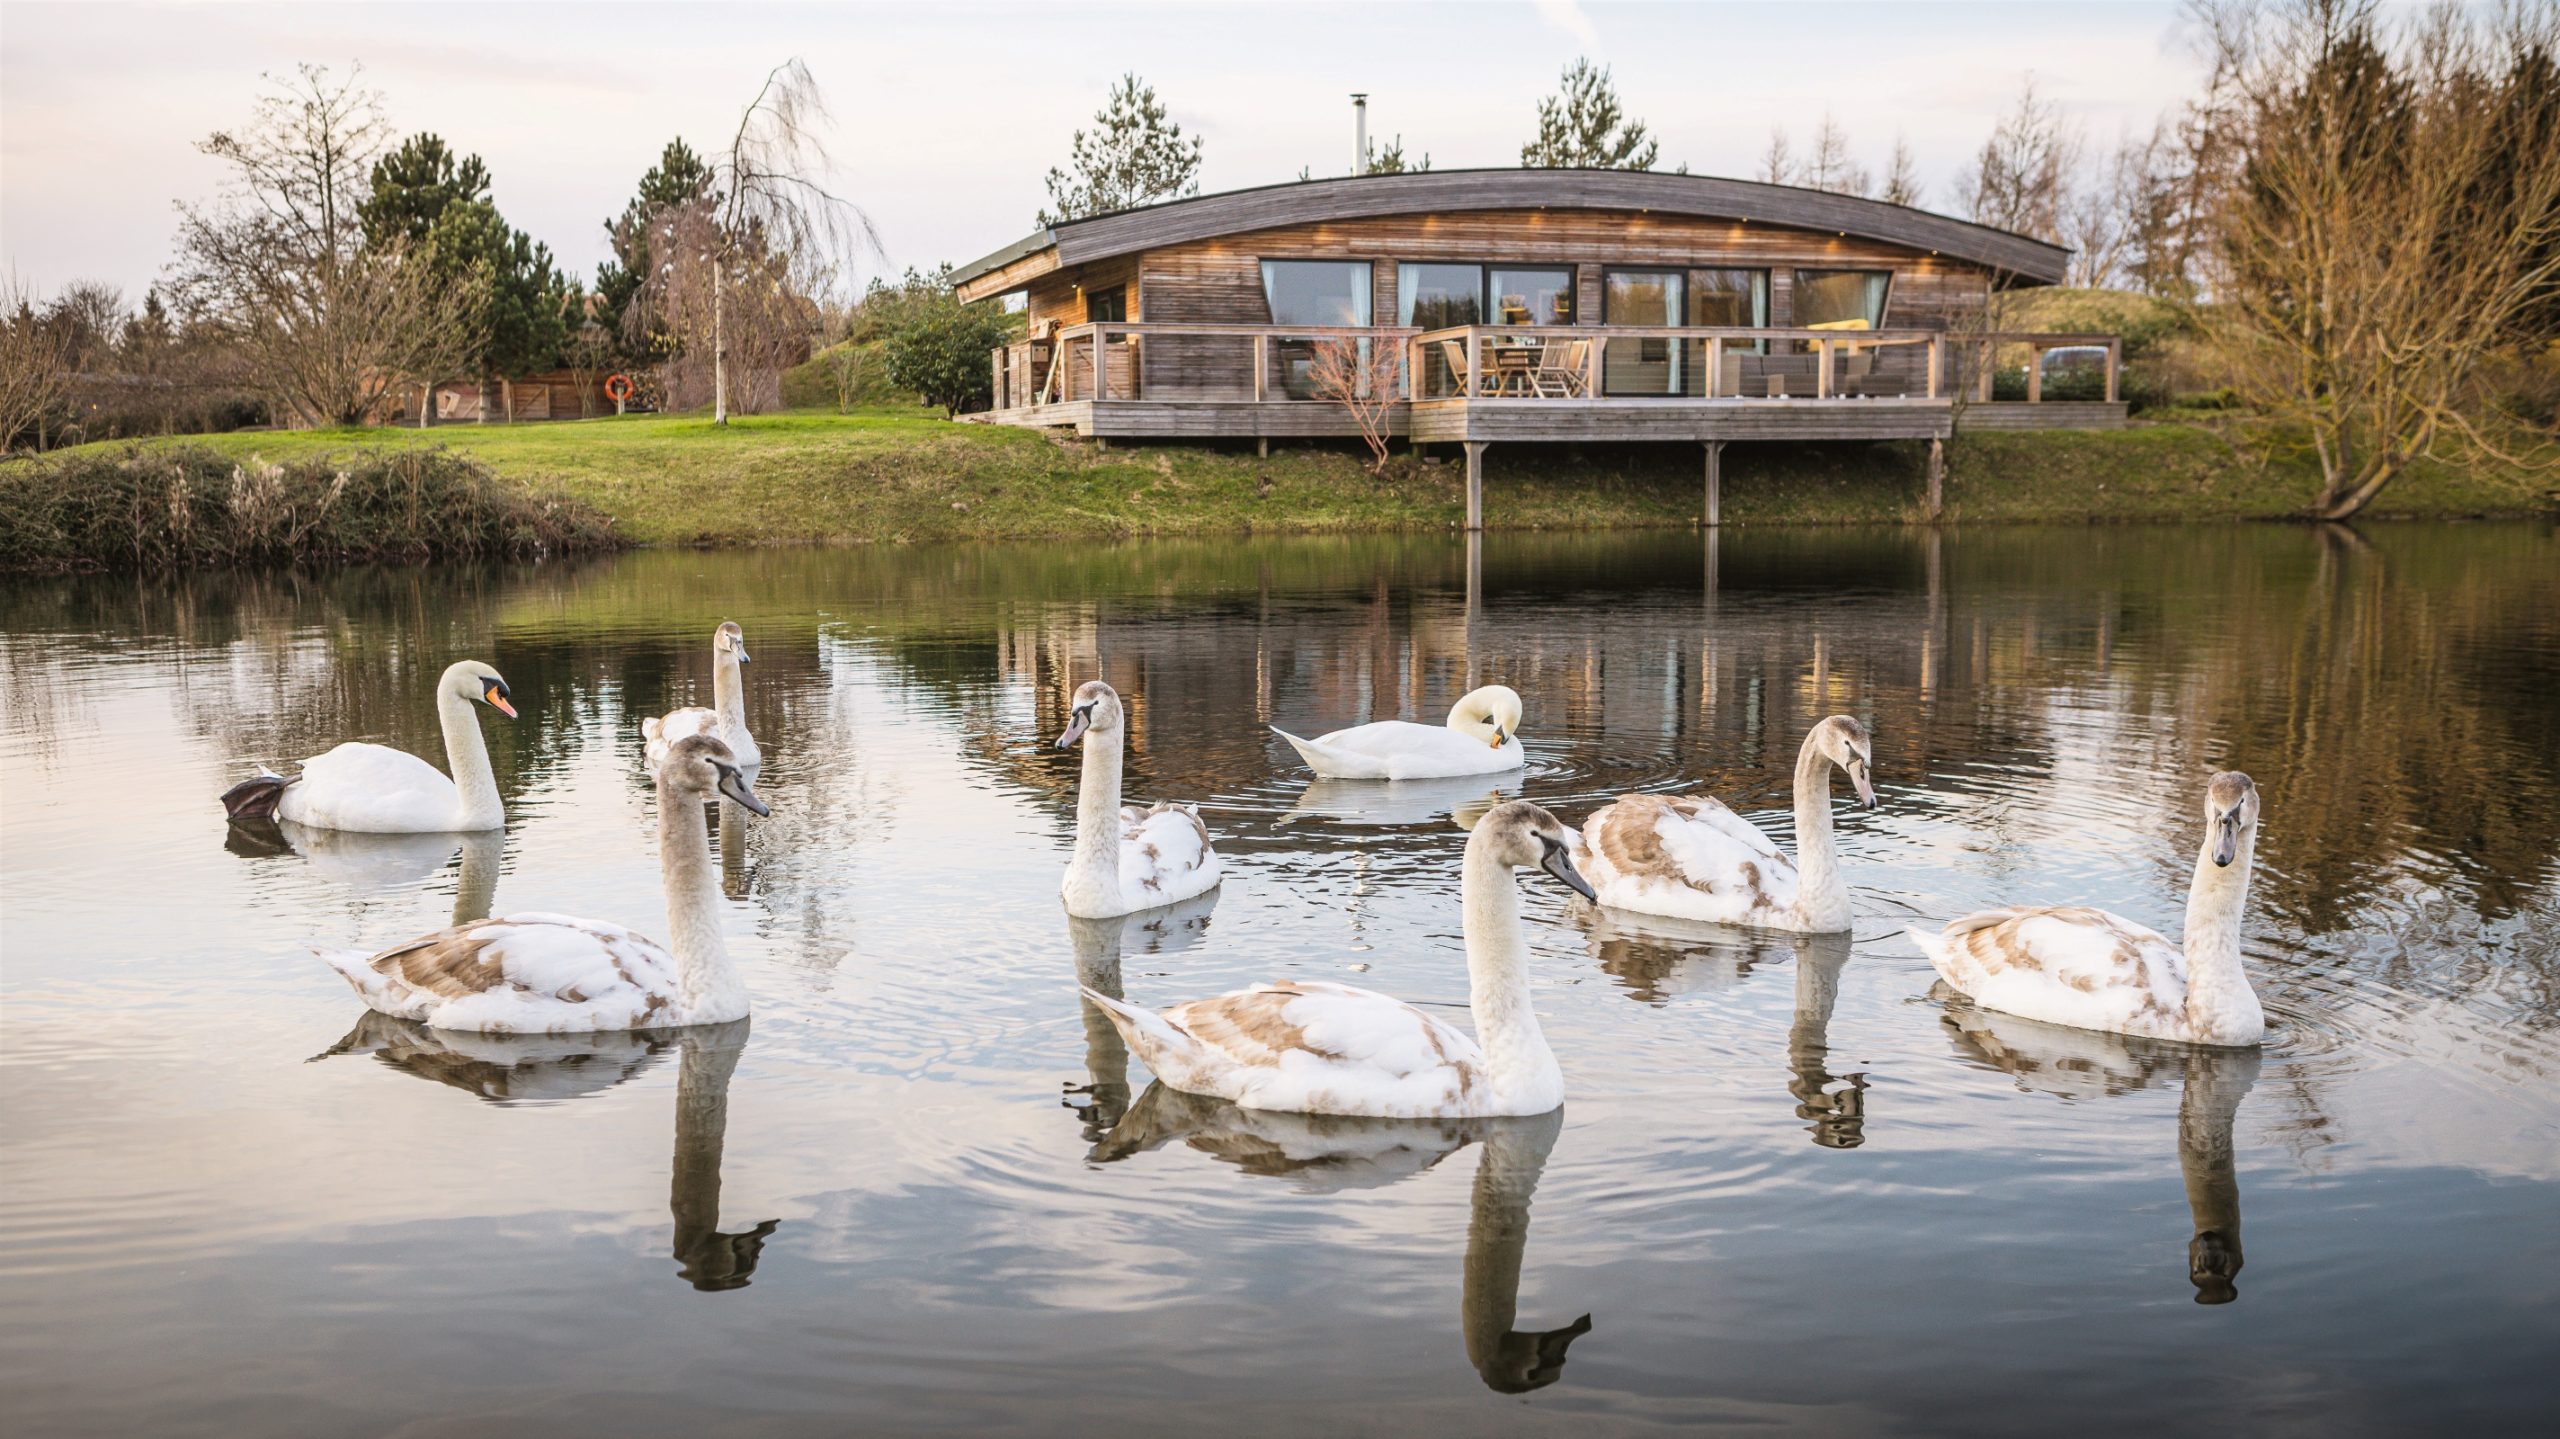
617	388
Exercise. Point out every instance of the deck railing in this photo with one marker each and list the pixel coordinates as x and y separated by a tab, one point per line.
1177	363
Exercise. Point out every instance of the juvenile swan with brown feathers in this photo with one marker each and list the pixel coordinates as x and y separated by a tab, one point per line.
2094	970
1309	1047
725	721
552	974
1482	736
1126	858
377	789
1689	857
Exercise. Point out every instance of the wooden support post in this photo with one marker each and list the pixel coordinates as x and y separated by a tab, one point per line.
1261	371
1475	377
1715	367
1591	366
2115	363
2035	373
1262	446
1937	478
1982	372
1934	361
1822	369
1100	383
1475	475
1715	483
999	377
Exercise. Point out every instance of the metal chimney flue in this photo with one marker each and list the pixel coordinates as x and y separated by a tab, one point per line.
1360	133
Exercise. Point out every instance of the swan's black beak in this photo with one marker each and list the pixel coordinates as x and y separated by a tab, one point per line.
733	783
741	652
496	697
2226	839
1077	724
1866	787
1559	862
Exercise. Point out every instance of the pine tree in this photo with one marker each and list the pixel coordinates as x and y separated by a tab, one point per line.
1583	126
680	176
1135	156
1390	160
412	186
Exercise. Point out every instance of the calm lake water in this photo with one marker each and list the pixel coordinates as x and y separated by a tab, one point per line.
925	1189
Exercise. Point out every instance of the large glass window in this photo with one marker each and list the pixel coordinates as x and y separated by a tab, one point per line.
1312	292
1435	297
1725	299
1317	292
1530	297
1641	297
1841	299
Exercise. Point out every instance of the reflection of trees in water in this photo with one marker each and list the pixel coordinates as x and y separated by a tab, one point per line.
1657	959
516	1069
2090	1064
1323	1153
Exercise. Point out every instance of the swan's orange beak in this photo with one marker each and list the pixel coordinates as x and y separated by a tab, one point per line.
497	699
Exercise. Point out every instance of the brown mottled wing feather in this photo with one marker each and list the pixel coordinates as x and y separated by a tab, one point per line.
450	963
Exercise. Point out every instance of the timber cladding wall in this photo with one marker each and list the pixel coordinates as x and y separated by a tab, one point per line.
1219	281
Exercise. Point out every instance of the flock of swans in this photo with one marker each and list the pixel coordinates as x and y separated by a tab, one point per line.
1292	1046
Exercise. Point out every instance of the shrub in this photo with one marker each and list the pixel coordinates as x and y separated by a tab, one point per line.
190	507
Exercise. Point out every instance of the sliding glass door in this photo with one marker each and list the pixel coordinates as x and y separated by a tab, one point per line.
1326	293
1642	297
1725	299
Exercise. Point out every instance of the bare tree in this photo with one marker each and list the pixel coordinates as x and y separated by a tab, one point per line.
1829	165
278	266
2102	218
729	313
1778	162
35	366
1901	176
772	221
2395	217
1362	376
2021	178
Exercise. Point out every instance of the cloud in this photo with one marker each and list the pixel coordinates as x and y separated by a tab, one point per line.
1567	16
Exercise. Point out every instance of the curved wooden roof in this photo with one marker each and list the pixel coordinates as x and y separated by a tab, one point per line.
1101	237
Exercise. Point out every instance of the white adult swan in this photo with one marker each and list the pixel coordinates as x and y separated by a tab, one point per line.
1310	1047
382	790
1690	857
2093	970
551	974
1481	737
1127	859
725	721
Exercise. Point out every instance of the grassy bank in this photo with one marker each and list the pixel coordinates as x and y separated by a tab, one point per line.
903	475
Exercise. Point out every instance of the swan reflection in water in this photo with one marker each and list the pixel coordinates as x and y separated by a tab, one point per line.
1657	958
1325	1153
2091	1064
1403	802
522	1069
369	863
1099	945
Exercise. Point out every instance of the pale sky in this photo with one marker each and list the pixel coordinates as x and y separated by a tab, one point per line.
947	116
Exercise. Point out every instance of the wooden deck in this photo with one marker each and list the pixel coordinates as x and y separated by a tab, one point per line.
1480	385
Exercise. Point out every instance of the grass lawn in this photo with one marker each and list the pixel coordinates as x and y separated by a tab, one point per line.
907	475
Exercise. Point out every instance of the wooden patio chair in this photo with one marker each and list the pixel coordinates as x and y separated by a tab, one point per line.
1456	354
1563	370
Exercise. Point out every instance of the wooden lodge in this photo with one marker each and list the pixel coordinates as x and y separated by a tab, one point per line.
1530	305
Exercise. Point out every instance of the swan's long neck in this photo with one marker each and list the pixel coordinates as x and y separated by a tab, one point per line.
1095	869
2219	999
466	755
713	992
1524	1073
1821	894
2207	1108
729	692
707	1059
